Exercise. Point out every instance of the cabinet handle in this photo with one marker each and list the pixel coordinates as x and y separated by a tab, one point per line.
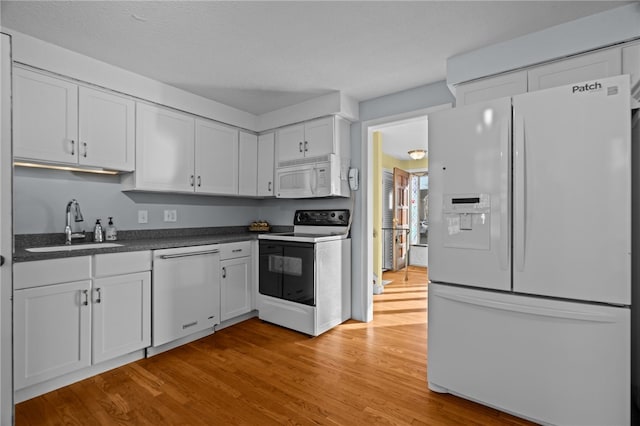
269	187
84	144
99	298
199	181
300	146
73	147
236	251
85	302
191	180
224	272
306	146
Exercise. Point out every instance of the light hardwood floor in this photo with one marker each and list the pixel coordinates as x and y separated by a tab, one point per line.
255	373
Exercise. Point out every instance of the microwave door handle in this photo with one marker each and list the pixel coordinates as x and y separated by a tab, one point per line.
314	180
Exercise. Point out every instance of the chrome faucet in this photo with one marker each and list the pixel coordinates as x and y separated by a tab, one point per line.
77	216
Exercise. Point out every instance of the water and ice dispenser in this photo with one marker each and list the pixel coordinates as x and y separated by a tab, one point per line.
467	221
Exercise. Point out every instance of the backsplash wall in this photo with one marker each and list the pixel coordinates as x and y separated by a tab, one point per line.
41	196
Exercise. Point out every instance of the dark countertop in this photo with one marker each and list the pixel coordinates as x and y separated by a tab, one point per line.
134	241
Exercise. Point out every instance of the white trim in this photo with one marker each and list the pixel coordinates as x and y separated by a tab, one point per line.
367	129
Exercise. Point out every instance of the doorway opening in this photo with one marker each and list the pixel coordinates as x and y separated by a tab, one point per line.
372	138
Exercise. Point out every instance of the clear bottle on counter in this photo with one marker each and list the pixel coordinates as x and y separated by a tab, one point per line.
111	233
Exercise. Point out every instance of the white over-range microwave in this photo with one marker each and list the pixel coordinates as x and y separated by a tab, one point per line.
325	176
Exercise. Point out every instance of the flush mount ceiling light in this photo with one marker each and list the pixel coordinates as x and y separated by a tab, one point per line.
417	154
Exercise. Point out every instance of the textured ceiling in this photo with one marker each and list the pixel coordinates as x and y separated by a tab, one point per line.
262	56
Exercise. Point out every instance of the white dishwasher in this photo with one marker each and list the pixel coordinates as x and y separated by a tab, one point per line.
185	292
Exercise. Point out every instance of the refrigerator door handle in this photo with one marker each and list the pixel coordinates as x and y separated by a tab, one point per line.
503	247
520	195
532	310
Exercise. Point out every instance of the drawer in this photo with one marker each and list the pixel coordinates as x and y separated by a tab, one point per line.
233	250
51	271
121	263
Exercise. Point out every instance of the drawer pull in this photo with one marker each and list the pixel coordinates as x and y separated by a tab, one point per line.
236	251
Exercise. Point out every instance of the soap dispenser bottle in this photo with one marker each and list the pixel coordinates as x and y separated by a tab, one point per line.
111	233
97	232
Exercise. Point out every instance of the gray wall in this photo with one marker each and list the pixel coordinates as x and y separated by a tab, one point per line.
40	198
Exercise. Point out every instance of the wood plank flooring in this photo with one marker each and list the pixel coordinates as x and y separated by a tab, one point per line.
255	373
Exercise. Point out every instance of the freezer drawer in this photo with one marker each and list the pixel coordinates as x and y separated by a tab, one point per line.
549	361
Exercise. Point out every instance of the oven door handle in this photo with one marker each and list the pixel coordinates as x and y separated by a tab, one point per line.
195	253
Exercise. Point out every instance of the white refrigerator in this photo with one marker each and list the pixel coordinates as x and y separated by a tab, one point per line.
530	253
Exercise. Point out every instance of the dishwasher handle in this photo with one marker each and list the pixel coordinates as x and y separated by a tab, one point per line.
195	253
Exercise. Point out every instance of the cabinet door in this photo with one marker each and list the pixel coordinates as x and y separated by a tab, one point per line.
248	165
514	83
121	315
51	331
266	147
235	287
590	66
216	158
290	143
45	117
107	130
318	137
164	149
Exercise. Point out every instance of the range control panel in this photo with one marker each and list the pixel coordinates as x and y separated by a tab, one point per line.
322	217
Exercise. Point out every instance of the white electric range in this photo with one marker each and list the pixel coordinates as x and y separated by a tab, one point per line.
305	275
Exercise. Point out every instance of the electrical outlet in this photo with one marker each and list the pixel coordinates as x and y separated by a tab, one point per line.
143	216
170	215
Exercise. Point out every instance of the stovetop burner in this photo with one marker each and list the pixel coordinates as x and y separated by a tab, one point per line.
315	226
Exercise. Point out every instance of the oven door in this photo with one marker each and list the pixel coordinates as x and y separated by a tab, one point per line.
287	271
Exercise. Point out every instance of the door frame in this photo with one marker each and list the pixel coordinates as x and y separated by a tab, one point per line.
366	213
6	238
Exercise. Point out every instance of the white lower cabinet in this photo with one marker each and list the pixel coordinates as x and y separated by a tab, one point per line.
121	318
236	283
52	331
65	321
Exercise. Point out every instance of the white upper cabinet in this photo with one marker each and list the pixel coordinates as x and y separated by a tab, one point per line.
291	143
248	167
57	121
164	151
510	84
178	153
216	159
312	140
605	63
107	130
45	117
589	66
266	157
318	136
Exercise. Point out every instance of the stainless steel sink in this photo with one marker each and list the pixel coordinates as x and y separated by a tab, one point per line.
72	247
